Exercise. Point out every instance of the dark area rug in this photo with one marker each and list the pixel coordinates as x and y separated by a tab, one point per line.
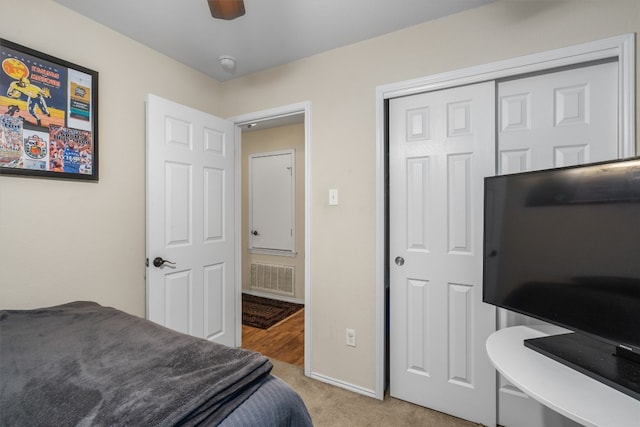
263	313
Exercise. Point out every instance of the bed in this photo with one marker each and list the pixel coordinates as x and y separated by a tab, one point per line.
85	364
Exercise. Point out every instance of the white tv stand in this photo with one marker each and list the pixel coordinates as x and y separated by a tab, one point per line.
565	390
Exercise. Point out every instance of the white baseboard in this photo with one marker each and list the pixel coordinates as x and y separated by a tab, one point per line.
342	384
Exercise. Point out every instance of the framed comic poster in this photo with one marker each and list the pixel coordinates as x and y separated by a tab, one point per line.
48	116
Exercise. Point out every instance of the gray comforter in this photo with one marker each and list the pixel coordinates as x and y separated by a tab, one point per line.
84	364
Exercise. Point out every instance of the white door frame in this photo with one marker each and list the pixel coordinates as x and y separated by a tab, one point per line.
622	47
259	116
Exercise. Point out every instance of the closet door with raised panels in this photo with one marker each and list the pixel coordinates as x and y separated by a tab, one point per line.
441	146
552	120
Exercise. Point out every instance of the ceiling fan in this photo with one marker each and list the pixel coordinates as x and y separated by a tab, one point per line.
226	9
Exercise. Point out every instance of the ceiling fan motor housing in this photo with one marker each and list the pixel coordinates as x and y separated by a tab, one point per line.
226	9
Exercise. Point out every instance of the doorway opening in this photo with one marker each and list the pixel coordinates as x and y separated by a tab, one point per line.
273	235
280	276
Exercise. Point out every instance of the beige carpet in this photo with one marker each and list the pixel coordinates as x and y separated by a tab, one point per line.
331	406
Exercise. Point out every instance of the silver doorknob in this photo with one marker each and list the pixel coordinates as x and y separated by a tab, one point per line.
399	261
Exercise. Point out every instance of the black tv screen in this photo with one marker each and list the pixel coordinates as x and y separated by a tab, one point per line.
563	246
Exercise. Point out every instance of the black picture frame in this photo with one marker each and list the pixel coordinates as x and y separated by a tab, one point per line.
48	116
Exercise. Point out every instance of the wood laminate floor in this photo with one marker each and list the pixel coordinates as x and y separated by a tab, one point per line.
283	341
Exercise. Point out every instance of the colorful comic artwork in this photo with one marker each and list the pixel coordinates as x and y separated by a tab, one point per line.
46	114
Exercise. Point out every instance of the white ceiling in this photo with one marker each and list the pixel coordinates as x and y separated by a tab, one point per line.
271	33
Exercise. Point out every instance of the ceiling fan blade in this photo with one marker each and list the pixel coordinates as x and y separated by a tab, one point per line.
226	9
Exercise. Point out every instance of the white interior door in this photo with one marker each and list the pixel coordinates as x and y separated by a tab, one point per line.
190	221
271	204
441	147
552	120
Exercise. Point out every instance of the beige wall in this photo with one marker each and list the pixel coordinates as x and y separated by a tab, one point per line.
263	141
104	259
61	240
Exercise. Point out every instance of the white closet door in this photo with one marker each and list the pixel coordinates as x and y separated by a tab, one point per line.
442	145
272	201
552	120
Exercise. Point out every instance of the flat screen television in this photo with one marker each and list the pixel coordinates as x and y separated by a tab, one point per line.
563	246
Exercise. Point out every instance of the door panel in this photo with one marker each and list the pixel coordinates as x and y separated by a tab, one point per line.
214	180
178	204
441	148
558	119
214	292
552	120
190	221
177	289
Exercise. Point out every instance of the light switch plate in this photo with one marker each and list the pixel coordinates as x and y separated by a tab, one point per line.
333	197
